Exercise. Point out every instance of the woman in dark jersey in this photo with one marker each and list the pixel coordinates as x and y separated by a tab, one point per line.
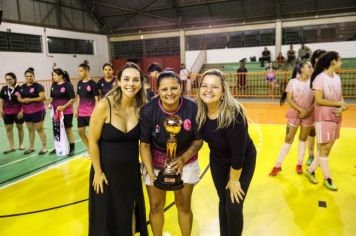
62	99
32	96
87	97
153	150
11	111
116	203
106	83
224	127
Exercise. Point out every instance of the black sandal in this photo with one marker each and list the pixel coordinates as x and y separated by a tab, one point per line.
28	151
42	152
8	151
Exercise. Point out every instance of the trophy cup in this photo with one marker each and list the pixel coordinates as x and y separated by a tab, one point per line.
167	178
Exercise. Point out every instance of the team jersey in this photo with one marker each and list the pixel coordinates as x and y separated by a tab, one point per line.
32	91
87	91
104	86
61	94
11	106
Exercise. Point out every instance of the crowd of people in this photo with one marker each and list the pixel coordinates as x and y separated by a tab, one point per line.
126	117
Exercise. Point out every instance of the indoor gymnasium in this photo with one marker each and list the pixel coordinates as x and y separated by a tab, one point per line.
181	117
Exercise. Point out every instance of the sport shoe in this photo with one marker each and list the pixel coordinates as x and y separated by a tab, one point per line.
311	177
299	169
328	183
310	160
274	171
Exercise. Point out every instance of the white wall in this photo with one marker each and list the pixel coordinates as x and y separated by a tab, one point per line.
190	58
18	62
346	49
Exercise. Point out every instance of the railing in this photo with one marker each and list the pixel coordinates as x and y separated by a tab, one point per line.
252	84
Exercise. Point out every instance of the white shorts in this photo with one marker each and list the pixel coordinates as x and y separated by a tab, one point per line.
190	174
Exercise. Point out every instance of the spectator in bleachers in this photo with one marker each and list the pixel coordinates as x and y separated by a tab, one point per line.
241	75
271	78
280	61
153	71
184	76
304	52
291	55
266	56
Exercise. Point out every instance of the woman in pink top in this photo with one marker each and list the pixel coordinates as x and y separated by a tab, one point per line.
300	114
329	105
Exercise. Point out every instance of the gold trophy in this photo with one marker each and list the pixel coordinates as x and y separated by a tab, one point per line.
167	178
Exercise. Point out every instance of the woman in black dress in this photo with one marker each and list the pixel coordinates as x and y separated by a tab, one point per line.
116	204
224	127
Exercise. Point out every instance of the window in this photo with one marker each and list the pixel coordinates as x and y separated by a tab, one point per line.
14	42
70	46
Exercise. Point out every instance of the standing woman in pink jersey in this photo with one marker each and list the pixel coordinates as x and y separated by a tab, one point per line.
87	97
329	106
300	114
32	95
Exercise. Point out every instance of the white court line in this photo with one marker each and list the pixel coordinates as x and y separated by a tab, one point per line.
22	159
65	161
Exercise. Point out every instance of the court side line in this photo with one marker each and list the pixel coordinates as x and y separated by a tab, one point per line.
40	170
19	160
84	200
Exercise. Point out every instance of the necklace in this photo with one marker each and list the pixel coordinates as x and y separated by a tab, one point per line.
170	113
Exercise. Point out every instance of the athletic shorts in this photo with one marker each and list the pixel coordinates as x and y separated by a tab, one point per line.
327	131
190	174
83	121
68	120
35	117
309	121
10	119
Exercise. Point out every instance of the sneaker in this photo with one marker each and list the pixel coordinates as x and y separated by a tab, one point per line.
311	177
328	183
299	169
71	153
310	160
275	170
53	151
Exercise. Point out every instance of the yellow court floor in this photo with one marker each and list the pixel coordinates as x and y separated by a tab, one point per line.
285	205
54	201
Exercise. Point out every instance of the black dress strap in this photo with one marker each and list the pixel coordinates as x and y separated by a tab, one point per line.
109	107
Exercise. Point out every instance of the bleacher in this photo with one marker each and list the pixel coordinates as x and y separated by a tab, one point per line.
258	86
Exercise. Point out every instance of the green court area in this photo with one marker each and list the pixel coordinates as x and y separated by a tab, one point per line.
16	165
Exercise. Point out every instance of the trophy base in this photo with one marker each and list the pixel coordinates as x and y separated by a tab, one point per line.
168	182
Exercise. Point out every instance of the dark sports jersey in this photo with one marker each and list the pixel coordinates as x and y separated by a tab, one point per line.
61	94
228	146
11	105
87	91
32	91
154	133
104	86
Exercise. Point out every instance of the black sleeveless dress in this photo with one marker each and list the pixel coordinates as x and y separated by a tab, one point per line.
110	213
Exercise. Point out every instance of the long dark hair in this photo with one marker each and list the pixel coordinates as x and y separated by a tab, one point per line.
85	65
12	75
116	90
323	63
63	73
316	55
296	70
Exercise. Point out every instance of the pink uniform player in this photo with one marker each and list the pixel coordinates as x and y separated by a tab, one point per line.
300	114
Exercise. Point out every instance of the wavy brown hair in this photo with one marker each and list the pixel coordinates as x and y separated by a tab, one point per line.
228	109
116	92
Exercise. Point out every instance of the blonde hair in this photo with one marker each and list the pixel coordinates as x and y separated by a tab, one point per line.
116	92
228	109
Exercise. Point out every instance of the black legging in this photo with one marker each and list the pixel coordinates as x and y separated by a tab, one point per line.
231	215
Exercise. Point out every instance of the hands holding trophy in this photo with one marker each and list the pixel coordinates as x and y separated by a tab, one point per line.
167	178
